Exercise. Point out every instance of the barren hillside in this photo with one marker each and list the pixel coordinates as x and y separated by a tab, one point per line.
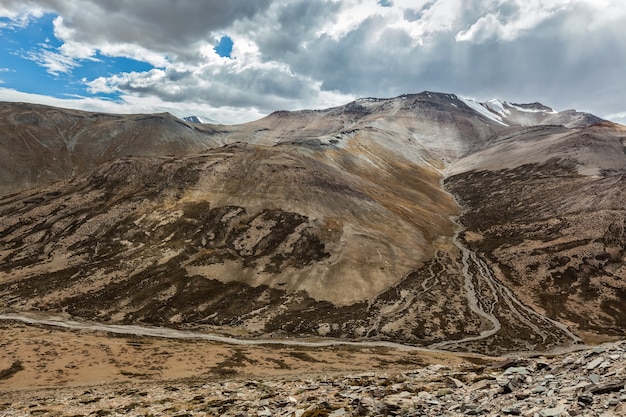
424	219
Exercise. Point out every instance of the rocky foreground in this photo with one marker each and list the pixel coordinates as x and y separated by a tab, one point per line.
589	382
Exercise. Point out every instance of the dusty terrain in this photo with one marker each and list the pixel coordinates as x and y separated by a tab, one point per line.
52	358
424	219
50	371
550	224
45	371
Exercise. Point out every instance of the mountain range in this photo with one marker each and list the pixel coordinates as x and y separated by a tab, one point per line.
426	219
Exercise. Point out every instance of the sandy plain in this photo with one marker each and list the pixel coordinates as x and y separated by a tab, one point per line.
37	357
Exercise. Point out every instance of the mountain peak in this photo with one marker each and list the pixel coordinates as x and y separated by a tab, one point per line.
200	120
536	106
193	119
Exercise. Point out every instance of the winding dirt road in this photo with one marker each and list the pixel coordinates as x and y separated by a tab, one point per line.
162	332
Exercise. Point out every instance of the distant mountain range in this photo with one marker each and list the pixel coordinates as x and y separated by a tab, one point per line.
427	219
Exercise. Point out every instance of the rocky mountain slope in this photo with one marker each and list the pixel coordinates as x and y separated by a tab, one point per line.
43	144
544	209
333	223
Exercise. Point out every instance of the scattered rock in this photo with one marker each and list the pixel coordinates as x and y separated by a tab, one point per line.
594	363
558	388
585	399
514	410
338	413
521	370
608	387
553	412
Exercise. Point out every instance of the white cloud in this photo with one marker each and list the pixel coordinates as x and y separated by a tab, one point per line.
524	17
349	18
440	16
54	62
136	52
19	14
619	117
132	80
222	82
4	70
136	104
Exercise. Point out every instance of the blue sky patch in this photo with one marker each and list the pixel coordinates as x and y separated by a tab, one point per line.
21	62
105	66
225	47
21	73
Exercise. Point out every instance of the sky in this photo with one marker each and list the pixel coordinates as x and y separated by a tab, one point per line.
238	60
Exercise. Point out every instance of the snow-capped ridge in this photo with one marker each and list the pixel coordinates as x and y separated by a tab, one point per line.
200	120
498	106
485	110
193	119
528	114
533	108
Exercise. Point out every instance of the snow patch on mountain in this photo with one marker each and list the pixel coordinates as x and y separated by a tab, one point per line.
483	110
532	108
498	106
193	119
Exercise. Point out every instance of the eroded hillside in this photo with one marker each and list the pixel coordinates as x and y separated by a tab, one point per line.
40	145
547	214
336	223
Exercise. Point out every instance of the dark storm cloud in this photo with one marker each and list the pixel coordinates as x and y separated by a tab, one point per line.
287	27
159	25
162	25
368	60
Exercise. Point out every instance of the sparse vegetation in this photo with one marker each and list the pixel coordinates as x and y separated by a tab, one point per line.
15	367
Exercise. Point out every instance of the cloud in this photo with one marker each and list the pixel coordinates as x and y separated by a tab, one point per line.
160	26
565	53
155	24
54	62
221	83
617	117
511	22
289	54
137	104
18	14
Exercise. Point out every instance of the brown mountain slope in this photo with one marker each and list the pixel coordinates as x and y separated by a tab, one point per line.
547	214
332	223
41	144
263	238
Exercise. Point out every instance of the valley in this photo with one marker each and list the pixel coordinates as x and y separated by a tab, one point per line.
411	230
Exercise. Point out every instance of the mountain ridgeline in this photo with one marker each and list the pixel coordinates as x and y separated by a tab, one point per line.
425	219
